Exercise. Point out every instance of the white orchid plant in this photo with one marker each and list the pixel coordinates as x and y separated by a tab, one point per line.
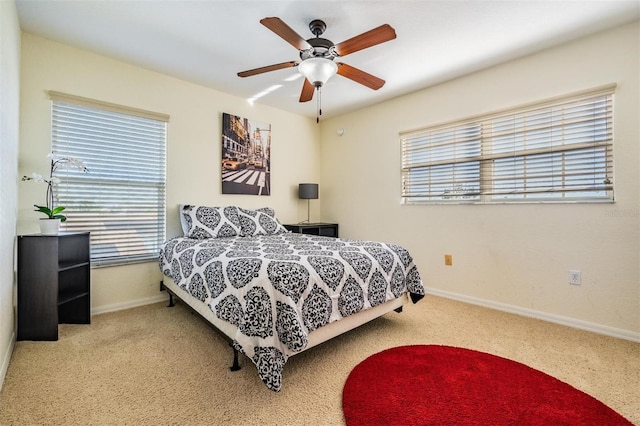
56	163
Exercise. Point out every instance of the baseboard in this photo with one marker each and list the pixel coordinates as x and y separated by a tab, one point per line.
130	304
6	358
532	313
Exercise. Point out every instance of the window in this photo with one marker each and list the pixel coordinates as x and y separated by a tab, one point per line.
121	200
558	150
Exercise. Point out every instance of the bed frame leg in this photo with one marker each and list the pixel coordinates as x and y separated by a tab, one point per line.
163	288
236	365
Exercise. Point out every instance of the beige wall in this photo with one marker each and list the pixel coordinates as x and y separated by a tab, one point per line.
193	154
514	257
9	105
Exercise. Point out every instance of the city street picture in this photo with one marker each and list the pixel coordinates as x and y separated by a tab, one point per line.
246	150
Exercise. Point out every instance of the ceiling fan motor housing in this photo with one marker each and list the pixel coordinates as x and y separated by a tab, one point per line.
320	48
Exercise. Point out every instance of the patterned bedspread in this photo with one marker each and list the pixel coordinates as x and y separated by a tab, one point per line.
278	288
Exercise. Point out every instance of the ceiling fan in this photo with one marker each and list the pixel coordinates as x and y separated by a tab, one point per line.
317	56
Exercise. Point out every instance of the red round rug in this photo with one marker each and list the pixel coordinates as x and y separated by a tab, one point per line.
443	385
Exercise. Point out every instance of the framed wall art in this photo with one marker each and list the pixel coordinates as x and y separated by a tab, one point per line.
246	152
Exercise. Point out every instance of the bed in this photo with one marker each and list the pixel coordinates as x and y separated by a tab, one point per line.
274	293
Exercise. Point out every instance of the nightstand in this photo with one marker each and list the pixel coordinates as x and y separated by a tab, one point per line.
54	283
320	228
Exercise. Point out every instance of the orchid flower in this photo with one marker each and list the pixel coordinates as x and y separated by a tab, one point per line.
56	163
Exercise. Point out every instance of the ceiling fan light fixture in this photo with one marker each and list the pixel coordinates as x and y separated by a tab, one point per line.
318	70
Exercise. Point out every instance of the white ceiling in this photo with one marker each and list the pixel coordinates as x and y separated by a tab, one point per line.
209	41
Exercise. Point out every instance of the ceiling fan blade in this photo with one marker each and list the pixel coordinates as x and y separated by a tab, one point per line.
372	37
359	76
268	68
278	26
307	91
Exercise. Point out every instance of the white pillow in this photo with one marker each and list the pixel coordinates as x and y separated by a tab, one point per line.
183	221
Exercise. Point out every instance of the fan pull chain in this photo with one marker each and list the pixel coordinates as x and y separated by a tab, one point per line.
319	104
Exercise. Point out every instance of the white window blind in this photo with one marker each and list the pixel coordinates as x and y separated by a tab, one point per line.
121	199
560	150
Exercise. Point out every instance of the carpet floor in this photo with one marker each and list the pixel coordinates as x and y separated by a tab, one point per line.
155	365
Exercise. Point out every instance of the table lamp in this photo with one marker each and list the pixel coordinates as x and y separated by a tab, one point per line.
308	191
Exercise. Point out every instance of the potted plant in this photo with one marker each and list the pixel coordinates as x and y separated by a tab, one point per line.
51	224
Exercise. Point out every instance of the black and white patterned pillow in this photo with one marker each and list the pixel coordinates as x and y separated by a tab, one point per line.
259	222
211	222
268	210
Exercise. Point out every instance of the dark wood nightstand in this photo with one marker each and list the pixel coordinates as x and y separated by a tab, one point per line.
54	283
320	228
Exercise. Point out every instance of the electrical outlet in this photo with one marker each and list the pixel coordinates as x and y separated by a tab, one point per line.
448	260
575	278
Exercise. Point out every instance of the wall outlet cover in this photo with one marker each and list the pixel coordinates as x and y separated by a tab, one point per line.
575	277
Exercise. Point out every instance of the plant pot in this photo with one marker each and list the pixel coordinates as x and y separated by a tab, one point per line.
49	226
